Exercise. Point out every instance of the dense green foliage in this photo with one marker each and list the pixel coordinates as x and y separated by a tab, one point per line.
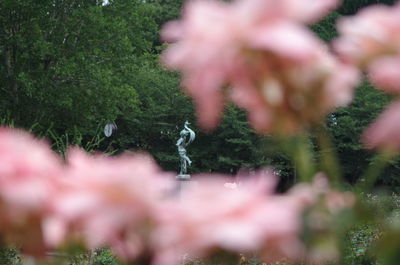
69	67
349	7
347	124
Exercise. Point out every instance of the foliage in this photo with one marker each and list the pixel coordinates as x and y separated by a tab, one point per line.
104	257
77	65
68	64
234	145
349	7
359	245
85	64
347	124
9	256
326	29
61	143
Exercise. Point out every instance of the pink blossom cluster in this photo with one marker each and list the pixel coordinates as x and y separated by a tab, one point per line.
320	218
383	133
260	55
211	217
370	40
127	203
107	201
94	200
248	218
28	181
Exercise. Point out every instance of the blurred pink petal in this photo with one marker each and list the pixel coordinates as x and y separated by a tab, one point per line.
311	11
303	11
247	219
54	231
324	206
198	54
385	73
29	174
255	53
107	200
340	86
372	32
211	217
370	39
335	201
292	96
384	131
278	37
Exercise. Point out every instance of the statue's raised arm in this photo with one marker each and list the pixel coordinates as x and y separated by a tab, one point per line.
192	135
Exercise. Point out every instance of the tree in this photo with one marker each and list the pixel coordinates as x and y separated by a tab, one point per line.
347	124
350	7
67	64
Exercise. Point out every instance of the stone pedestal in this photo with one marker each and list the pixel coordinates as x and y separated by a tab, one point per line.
183	177
184	182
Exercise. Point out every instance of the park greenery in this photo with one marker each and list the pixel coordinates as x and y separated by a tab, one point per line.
69	67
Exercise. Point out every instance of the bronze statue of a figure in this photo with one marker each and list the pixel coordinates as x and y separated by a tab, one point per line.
186	137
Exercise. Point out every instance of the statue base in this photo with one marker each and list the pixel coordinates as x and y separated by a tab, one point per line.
183	177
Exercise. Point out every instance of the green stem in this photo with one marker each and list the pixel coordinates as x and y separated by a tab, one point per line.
329	162
300	153
375	168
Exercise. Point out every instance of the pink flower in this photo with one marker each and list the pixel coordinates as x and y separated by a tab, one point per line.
311	11
107	201
304	11
336	201
249	218
296	95
211	217
371	40
203	54
257	55
372	32
385	73
29	172
384	132
323	206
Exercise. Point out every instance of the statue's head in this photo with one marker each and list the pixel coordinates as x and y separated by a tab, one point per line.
187	123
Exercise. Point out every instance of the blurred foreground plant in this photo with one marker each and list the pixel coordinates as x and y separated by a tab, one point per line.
260	55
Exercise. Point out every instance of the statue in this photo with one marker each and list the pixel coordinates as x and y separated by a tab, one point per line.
186	137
